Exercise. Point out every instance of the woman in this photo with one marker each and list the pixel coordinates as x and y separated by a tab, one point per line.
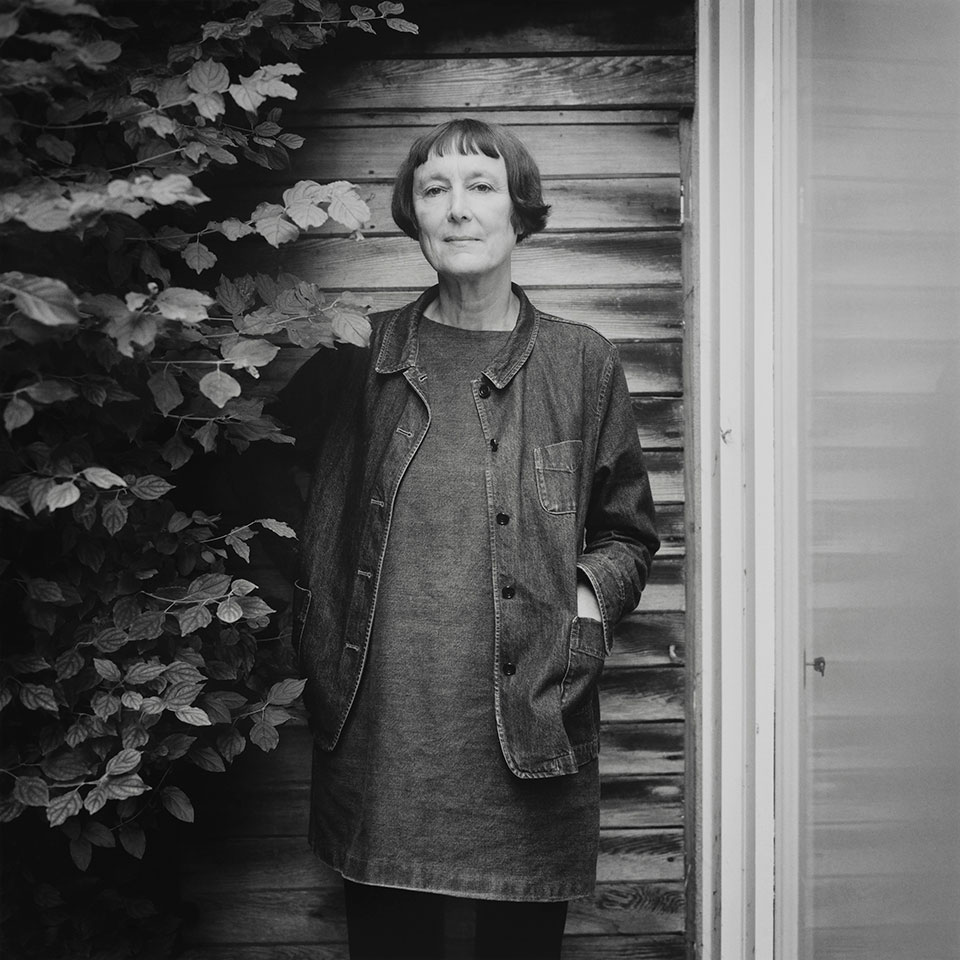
479	519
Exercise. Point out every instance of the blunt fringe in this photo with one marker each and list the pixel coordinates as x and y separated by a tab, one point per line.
469	136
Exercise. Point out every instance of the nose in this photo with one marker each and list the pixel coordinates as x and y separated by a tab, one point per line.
459	205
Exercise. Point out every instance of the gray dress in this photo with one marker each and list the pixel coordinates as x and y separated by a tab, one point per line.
417	793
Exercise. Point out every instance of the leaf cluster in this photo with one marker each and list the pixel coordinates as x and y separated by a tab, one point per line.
133	645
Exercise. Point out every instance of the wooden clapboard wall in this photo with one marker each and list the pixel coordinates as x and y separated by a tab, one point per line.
597	95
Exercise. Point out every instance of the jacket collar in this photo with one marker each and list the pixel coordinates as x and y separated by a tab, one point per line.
401	346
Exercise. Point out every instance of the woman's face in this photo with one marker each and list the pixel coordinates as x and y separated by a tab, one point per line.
464	215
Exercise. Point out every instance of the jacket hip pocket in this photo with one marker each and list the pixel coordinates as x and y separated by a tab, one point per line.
558	475
579	690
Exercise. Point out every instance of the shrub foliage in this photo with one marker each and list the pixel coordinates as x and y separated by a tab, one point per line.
132	643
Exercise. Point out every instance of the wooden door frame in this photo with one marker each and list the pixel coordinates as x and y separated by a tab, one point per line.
747	670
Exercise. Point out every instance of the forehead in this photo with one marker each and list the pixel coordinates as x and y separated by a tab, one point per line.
449	165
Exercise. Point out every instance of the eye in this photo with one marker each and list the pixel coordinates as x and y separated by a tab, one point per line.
432	191
483	187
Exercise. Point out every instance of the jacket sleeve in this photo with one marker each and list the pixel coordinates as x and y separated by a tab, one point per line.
620	536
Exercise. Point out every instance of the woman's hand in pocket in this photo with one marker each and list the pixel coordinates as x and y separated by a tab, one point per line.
587	605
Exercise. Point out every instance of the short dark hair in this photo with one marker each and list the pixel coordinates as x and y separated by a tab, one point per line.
466	135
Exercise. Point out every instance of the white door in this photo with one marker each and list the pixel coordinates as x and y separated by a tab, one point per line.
878	492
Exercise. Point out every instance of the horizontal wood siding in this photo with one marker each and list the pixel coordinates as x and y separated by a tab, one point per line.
594	94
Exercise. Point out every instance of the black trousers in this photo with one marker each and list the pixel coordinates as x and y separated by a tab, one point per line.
384	923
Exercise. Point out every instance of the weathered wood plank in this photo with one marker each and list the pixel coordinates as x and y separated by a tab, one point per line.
484	27
310	119
648	639
642	693
273	951
666	477
556	81
641	748
562	151
641	801
602	204
659	421
620	908
640	947
615	259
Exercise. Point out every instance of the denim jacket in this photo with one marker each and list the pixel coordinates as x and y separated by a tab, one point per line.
567	492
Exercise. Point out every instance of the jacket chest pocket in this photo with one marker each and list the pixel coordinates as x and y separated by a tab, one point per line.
558	475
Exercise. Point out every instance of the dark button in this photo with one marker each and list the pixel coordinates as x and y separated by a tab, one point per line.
503	519
484	391
509	668
508	593
494	445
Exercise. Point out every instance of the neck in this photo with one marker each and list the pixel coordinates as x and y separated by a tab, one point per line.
475	306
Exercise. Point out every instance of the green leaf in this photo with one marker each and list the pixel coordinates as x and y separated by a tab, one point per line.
209	586
150	487
264	736
219	387
181	303
50	301
107	669
346	206
233	229
144	672
403	26
177	803
193	619
182	694
208	76
17	413
110	640
231	744
6	503
285	692
49	391
206	436
63	807
270	221
81	852
176	745
176	451
35	696
181	672
62	495
254	607
211	106
278	527
69	664
104	705
114	515
192	715
388	9
250	354
103	51
199	257
229	611
31	791
133	840
68	765
96	799
350	326
99	834
46	591
103	478
123	762
301	202
206	758
128	785
10	809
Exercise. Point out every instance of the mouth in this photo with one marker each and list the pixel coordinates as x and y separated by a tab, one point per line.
461	240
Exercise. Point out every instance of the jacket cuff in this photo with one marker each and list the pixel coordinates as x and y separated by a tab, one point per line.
608	586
